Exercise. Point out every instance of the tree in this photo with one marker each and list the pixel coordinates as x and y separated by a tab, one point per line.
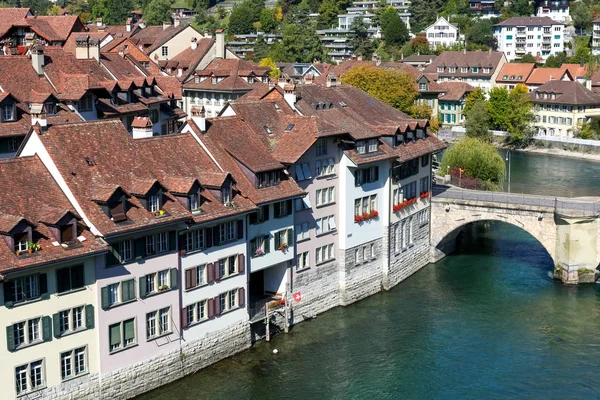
38	7
300	42
240	20
474	96
581	16
482	33
520	119
157	12
267	20
519	8
275	72
477	121
328	12
261	48
112	12
380	7
360	38
395	32
499	108
527	58
423	13
556	61
420	111
478	160
398	89
417	45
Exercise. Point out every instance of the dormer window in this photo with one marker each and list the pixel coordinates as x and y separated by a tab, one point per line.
486	70
505	77
399	139
117	210
464	70
8	112
85	103
21	242
214	80
50	108
452	70
372	145
154	202
196	79
440	69
423	86
267	179
148	91
66	233
250	79
226	195
194	202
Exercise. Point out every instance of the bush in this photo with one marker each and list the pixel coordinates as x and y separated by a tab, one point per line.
477	159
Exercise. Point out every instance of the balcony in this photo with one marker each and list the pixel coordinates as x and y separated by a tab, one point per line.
520	50
546	39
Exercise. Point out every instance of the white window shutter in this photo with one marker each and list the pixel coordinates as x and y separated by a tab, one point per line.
332	223
318	227
306	200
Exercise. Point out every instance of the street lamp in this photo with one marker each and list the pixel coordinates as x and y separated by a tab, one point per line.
508	159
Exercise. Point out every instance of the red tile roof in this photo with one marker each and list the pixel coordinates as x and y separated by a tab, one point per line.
515	72
232	70
189	59
566	92
539	76
22	177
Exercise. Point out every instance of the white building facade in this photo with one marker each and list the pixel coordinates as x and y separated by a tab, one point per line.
442	34
539	36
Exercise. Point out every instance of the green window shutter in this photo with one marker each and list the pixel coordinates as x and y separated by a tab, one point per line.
9	293
128	290
46	329
277	209
290	237
139	248
112	257
56	323
267	244
10	338
89	316
172	240
115	334
173	278
129	329
142	284
44	287
277	241
104	297
290	204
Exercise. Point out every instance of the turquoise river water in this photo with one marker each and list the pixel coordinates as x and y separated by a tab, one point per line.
487	322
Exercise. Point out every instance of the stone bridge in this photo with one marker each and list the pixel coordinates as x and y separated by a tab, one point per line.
566	227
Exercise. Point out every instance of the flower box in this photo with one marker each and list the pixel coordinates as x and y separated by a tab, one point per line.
367	216
425	195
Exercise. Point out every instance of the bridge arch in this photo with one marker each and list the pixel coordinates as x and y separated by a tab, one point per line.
449	218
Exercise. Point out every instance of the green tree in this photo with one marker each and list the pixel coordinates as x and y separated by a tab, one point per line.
424	13
474	96
112	12
157	12
420	111
300	42
240	20
275	72
261	48
585	131
520	8
360	38
477	158
499	108
477	121
581	15
394	30
527	58
38	7
328	14
482	33
398	89
380	7
521	118
267	20
556	61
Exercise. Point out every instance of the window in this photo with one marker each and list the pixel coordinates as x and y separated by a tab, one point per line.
452	70
302	260
117	293
24	288
262	214
356	256
197	312
226	195
228	300
422	86
425	161
8	113
24	333
13	144
194	202
397	196
372	143
423	217
424	184
321	147
302	172
260	245
154	203
228	266
214	80
325	167
21	242
196	276
157	282
154	115
122	335
165	51
302	232
366	175
29	377
72	320
324	225
325	196
410	190
475	69
303	203
284	239
227	231
283	208
195	240
158	243
69	279
464	70
86	103
406	170
440	69
126	250
324	254
158	323
267	179
365	205
73	363
410	231
361	147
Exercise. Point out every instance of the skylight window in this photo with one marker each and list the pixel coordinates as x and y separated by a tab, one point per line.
277	107
268	130
289	127
342	104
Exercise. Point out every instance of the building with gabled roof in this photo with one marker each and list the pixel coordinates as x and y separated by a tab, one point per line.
513	74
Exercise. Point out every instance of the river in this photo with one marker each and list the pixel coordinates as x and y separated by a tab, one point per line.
487	322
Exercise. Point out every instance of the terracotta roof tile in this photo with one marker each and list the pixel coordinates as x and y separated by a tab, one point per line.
539	76
233	70
515	72
566	92
480	59
189	58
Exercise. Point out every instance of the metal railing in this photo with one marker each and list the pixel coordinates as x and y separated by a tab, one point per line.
562	205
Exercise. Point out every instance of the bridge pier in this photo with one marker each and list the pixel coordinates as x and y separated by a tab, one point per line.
576	249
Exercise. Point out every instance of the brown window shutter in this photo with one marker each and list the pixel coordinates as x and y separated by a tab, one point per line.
188	278
210	273
211	311
241	296
215	231
194	277
182	245
241	263
216	268
217	306
184	321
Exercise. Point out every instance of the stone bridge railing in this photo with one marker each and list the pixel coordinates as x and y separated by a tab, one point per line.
583	207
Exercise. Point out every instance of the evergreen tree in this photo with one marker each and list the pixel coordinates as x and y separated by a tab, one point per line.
300	42
482	33
424	13
261	49
240	20
267	21
38	7
360	39
112	12
328	14
395	32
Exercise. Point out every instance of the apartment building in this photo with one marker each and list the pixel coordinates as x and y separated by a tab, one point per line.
558	10
484	8
442	34
561	107
477	68
537	36
595	36
48	287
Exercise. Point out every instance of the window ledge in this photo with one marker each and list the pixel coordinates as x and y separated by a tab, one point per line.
328	176
302	269
196	323
223	278
326	204
196	287
325	233
119	304
302	240
159	336
230	310
32	391
26	302
75	377
159	292
27	345
121	349
69	333
71	291
325	262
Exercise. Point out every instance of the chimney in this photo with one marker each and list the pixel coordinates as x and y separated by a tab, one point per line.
588	84
128	24
220	43
281	82
142	24
98	21
179	71
289	94
82	50
331	80
194	44
176	21
37	59
38	115
166	24
94	48
122	51
199	118
141	127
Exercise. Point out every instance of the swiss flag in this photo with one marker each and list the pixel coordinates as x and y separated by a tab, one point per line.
297	297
